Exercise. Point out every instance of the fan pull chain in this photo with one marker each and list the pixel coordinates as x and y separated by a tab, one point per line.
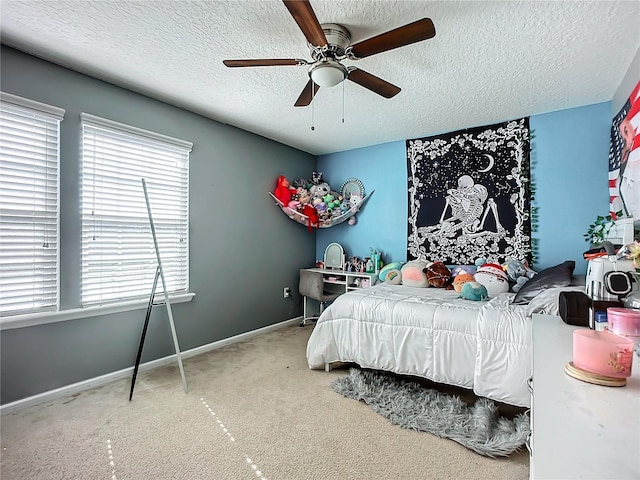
313	90
343	102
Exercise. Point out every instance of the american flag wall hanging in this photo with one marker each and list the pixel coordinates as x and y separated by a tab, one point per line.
470	195
624	159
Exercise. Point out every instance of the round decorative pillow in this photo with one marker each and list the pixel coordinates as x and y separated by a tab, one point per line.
493	277
393	277
413	274
389	266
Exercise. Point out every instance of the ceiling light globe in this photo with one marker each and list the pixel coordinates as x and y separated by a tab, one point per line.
328	74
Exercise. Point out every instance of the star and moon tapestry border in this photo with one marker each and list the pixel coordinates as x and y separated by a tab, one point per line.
470	195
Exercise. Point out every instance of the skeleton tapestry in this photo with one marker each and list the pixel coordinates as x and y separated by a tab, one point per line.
470	195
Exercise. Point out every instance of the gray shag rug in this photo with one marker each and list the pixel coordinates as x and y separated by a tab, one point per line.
411	405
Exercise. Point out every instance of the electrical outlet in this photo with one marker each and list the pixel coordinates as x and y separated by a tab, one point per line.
286	292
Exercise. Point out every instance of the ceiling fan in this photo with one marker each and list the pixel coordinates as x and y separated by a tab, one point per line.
330	44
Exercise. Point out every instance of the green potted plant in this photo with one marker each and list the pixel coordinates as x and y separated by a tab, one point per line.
600	228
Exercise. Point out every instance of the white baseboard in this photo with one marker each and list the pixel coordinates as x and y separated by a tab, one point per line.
127	372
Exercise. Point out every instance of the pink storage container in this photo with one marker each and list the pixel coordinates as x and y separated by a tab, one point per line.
603	353
624	321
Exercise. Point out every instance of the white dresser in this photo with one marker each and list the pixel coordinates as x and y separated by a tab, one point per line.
579	430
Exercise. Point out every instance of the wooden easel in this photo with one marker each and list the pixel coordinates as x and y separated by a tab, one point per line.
152	303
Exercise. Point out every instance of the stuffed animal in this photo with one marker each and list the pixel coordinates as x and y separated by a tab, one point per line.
494	279
387	268
480	261
321	208
336	195
414	275
438	275
312	215
319	190
300	183
355	199
332	202
470	269
460	279
283	191
518	272
519	283
294	204
393	277
316	178
474	291
516	269
303	195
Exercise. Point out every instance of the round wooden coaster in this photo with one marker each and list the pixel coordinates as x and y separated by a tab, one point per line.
581	374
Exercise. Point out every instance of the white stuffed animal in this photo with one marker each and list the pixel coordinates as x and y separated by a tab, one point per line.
493	277
414	273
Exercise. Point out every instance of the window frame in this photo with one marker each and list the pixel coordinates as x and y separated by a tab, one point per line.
111	130
53	116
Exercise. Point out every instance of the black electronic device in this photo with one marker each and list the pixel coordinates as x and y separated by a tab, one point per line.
618	283
573	308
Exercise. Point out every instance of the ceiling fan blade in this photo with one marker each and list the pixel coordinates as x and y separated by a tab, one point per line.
411	33
307	94
373	83
306	19
263	63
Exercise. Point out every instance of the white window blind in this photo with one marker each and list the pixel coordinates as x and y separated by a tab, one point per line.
29	151
118	255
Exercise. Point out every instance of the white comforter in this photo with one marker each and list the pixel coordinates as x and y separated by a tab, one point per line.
430	333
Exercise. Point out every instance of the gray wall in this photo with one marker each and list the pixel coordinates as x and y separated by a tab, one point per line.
243	250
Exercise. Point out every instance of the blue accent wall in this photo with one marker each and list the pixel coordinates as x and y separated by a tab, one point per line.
570	170
382	221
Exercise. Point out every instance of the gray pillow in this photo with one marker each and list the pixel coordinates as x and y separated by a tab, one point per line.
558	276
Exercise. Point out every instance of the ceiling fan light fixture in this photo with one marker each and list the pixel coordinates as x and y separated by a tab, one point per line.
330	43
328	73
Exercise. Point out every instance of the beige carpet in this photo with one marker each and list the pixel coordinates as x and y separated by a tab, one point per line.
253	411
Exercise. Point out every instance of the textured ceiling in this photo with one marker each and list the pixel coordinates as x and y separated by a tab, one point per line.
489	61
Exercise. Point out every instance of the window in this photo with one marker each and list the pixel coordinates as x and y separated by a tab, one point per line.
118	255
29	152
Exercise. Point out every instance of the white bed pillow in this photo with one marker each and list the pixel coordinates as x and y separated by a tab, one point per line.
548	301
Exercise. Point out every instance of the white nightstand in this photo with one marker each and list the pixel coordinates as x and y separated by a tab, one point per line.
579	430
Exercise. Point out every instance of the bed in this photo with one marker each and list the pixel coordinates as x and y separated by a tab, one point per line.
485	346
